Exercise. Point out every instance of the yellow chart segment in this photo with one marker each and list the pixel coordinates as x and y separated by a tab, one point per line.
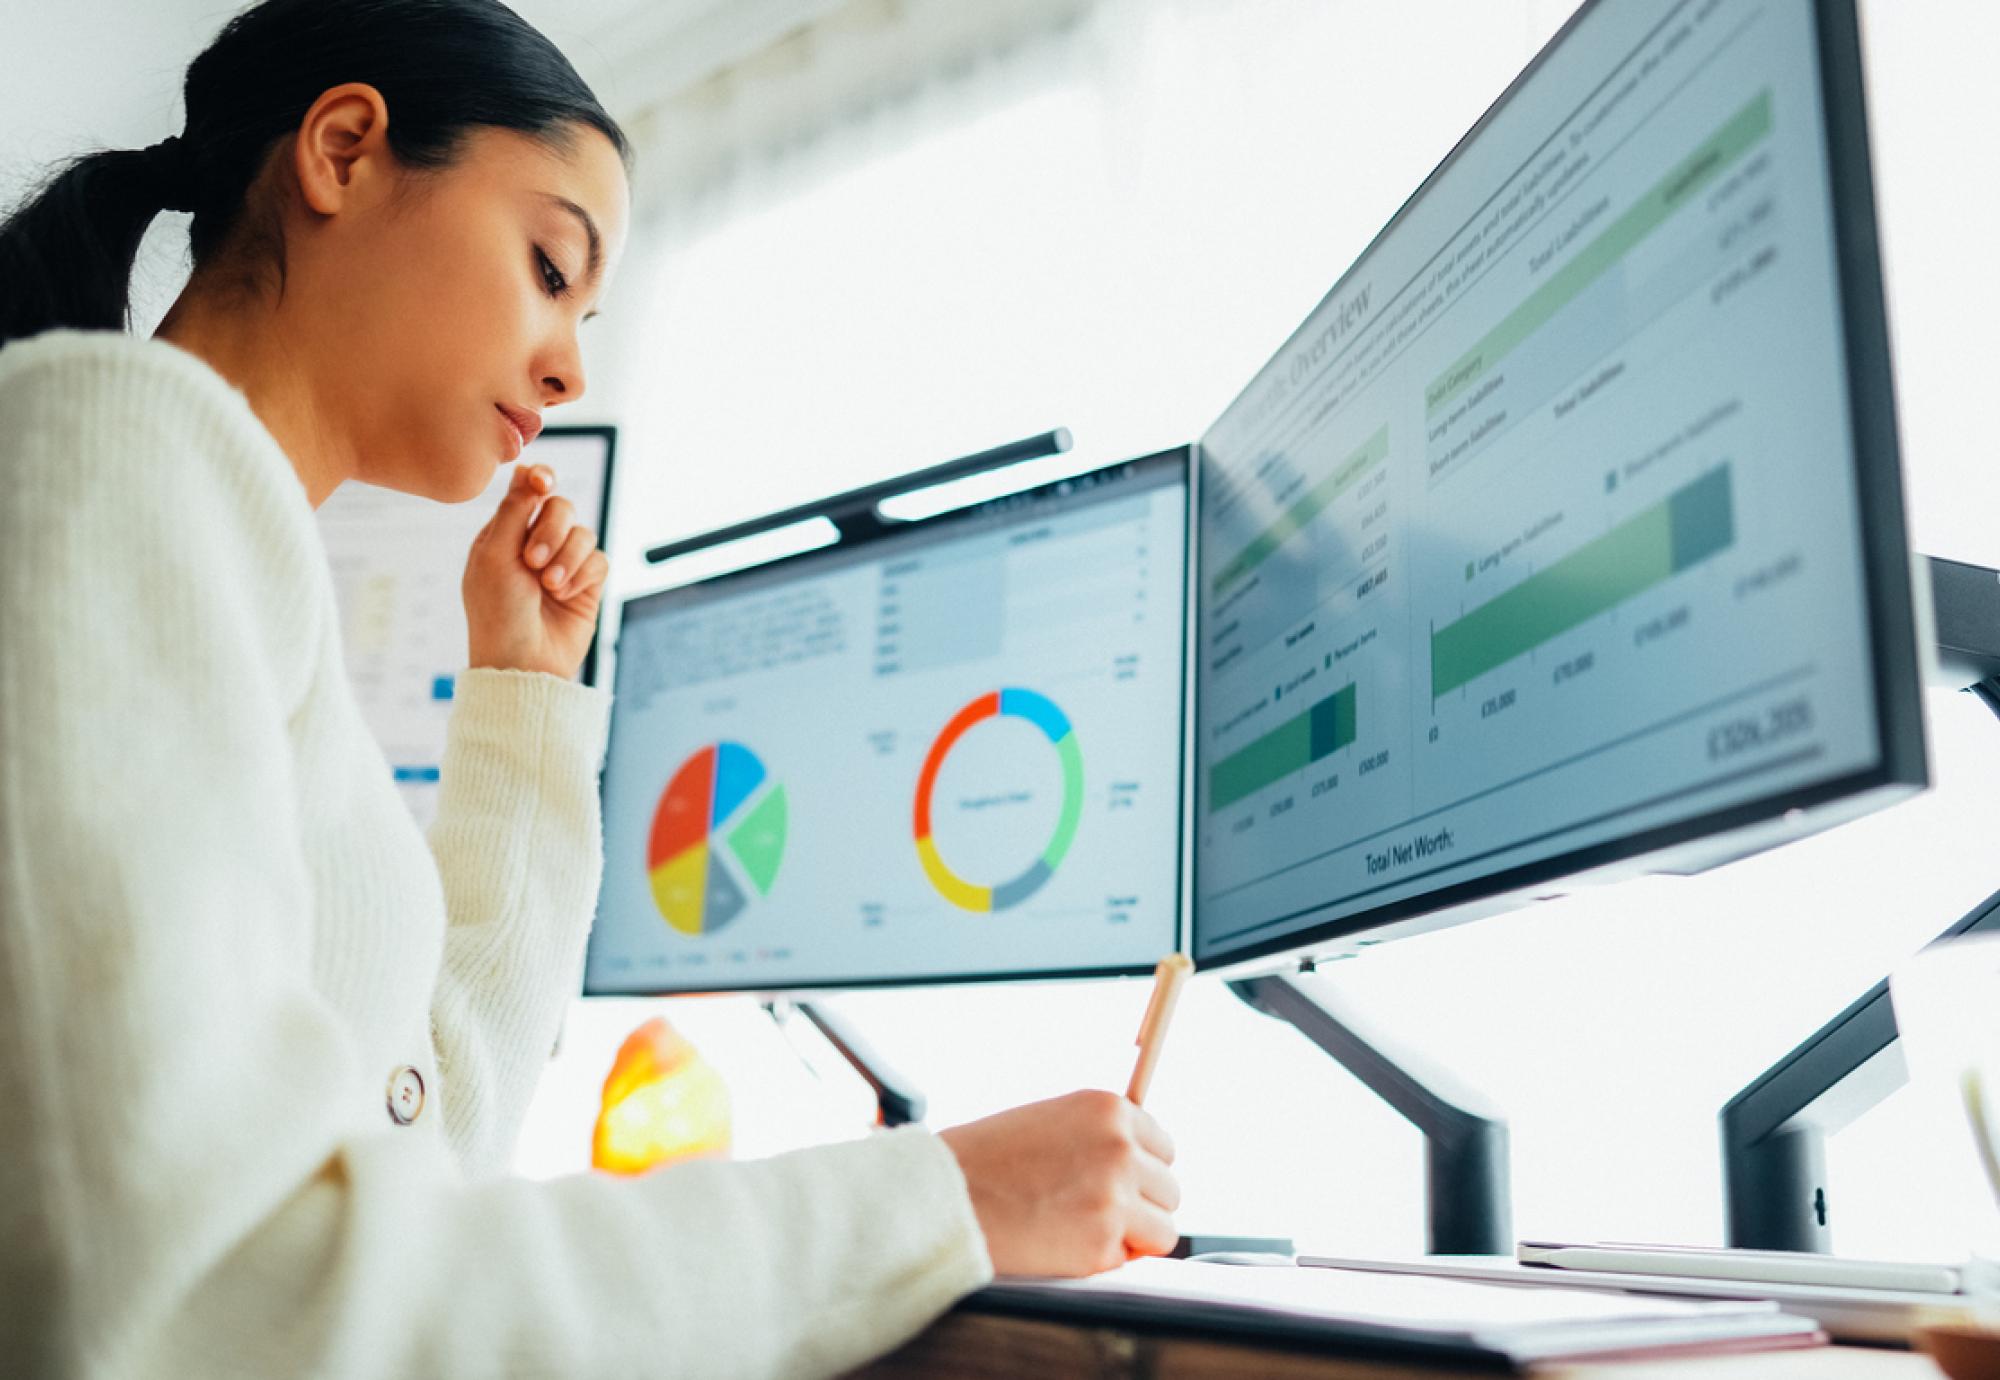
960	893
678	887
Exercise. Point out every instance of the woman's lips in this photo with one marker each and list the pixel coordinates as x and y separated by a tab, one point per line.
526	425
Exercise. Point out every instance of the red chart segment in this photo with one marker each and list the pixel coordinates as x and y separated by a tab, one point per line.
682	820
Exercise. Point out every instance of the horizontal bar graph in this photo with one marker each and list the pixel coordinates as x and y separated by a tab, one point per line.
1319	732
1687	527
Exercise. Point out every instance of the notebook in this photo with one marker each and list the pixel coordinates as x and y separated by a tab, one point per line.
1364	1312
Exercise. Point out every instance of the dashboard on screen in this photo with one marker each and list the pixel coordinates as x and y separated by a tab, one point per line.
952	751
1567	527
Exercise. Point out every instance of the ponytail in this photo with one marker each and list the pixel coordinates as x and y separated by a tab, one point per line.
66	254
444	67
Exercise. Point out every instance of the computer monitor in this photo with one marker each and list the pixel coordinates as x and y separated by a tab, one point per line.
1565	537
398	564
950	749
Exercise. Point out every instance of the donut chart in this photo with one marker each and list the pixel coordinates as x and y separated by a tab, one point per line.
718	836
1042	712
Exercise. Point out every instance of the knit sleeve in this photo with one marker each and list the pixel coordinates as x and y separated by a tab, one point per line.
519	848
184	1189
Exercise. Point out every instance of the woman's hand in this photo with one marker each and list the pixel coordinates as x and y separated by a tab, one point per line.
1070	1186
533	582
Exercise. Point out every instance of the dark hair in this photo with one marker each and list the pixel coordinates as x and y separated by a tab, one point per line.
444	67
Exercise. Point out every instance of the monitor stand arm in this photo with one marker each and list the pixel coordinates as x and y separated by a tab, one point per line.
1468	1211
1774	1131
897	1100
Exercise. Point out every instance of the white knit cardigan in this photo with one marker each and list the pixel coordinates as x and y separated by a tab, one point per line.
221	935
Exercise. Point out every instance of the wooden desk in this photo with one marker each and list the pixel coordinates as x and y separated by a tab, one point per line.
980	1346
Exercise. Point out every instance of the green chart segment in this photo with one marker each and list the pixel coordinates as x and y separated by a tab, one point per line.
1693	523
1320	731
1681	185
1303	510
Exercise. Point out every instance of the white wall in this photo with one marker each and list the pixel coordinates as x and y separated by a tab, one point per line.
1934	124
88	76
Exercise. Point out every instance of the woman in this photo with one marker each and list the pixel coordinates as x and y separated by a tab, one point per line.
263	1046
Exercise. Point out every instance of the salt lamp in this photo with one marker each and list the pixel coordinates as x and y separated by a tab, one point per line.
661	1103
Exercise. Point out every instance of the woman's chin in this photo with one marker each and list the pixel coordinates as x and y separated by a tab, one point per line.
472	482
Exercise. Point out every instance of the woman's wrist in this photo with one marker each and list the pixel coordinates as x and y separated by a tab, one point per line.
502	664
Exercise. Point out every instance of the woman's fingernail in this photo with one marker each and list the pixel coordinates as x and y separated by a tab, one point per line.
554	577
538	553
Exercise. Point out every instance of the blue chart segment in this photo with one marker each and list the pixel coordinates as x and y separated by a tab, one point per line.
737	773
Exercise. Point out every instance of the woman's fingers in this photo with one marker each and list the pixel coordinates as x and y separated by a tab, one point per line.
542	528
567	562
1157	1184
1150	1231
1151	1136
594	571
546	537
510	520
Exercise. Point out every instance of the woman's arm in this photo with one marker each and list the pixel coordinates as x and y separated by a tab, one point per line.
519	848
518	840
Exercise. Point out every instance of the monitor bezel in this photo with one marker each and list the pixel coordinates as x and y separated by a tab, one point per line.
1713	837
1179	458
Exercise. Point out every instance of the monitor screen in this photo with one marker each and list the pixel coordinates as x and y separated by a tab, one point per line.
950	751
398	562
1566	534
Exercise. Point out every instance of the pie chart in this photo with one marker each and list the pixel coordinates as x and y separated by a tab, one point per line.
717	839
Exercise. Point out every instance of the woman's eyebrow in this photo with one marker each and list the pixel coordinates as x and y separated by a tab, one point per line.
596	261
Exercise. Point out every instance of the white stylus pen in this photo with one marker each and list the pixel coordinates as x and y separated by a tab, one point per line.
1755	1267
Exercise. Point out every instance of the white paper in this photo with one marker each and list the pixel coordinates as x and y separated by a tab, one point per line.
1488	1311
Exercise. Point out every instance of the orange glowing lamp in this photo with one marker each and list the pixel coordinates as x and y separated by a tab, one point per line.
662	1103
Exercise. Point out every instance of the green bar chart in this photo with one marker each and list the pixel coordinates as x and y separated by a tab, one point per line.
1320	731
1693	523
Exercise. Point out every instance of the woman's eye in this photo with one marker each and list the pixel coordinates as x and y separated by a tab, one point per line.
552	277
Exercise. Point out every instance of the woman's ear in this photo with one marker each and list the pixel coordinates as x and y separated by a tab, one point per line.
343	139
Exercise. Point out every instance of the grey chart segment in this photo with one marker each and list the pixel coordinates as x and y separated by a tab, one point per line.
724	900
1022	887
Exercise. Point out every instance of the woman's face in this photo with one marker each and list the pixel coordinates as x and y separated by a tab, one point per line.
455	301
